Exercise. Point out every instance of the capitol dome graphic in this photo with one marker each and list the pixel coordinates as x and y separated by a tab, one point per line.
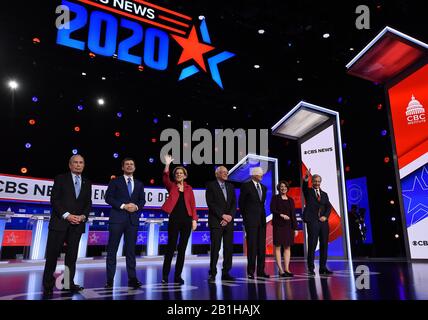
415	107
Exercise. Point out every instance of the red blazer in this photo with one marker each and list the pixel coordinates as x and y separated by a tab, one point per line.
189	197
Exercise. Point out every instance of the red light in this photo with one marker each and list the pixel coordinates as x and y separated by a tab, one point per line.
77	129
36	40
140	68
112	177
154	140
92	55
386	160
152	181
32	122
342	122
380	106
347	168
117	134
24	170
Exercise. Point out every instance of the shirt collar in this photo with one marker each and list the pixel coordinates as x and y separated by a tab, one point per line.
127	177
256	183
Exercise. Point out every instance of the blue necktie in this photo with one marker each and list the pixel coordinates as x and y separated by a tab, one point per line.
129	187
77	186
224	190
259	190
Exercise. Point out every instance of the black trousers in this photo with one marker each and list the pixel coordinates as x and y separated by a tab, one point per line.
54	245
176	228
317	231
256	248
129	232
216	235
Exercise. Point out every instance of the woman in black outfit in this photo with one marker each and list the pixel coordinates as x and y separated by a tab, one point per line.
284	226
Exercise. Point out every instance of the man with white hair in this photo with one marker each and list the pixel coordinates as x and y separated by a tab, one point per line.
252	207
221	201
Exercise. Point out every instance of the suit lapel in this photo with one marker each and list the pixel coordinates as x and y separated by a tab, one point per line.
219	191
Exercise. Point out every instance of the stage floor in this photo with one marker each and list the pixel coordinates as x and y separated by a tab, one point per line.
386	280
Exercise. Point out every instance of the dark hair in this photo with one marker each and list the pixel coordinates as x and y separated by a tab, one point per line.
278	186
127	159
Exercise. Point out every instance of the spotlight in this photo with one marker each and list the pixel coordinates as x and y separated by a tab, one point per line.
80	107
351	49
141	68
117	134
32	122
83	73
390	188
345	145
101	102
201	17
347	168
13	85
326	35
154	140
77	129
119	114
386	159
380	106
397	236
115	155
383	133
393	219
35	99
152	181
28	145
261	31
234	107
103	78
92	55
74	151
300	79
256	66
36	40
151	160
169	116
155	120
392	202
24	170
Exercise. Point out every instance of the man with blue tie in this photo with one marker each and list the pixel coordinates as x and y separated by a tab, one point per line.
221	200
125	194
71	203
252	207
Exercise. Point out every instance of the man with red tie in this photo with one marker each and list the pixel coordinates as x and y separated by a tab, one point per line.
315	215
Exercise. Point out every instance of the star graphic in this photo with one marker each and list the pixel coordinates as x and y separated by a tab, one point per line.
192	49
417	200
11	238
93	238
204	237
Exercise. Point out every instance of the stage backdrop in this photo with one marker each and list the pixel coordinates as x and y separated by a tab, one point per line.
408	102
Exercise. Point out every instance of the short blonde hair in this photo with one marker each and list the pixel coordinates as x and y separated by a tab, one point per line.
180	168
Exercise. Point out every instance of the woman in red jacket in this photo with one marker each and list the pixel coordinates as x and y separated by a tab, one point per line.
181	209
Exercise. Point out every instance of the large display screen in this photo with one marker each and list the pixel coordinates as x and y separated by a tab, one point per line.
408	102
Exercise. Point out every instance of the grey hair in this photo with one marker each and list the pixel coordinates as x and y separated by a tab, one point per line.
316	176
75	156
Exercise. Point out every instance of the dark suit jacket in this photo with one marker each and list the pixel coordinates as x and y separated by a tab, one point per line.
217	204
252	209
117	194
63	199
313	206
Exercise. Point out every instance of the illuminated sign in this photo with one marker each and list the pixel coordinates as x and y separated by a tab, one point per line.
141	35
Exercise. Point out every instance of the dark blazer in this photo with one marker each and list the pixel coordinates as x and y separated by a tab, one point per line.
117	194
276	210
217	204
63	199
252	209
313	206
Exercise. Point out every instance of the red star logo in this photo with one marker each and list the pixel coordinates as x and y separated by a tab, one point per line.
192	48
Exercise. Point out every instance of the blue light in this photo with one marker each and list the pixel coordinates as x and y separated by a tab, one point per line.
383	133
119	114
74	151
344	146
289	162
151	160
155	120
115	155
35	99
390	188
340	100
28	145
80	107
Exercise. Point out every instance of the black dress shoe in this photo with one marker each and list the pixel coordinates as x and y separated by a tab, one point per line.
76	288
263	275
251	276
286	274
326	272
311	272
227	277
109	285
47	292
179	280
134	283
211	279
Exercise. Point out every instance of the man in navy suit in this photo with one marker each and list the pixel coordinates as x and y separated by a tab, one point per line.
315	215
126	197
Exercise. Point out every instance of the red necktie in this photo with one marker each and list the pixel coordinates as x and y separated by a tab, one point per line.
318	194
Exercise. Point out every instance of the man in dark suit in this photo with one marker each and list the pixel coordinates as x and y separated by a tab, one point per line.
71	203
126	197
221	201
315	215
252	207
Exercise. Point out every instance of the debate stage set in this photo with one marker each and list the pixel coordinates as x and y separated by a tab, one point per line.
339	90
